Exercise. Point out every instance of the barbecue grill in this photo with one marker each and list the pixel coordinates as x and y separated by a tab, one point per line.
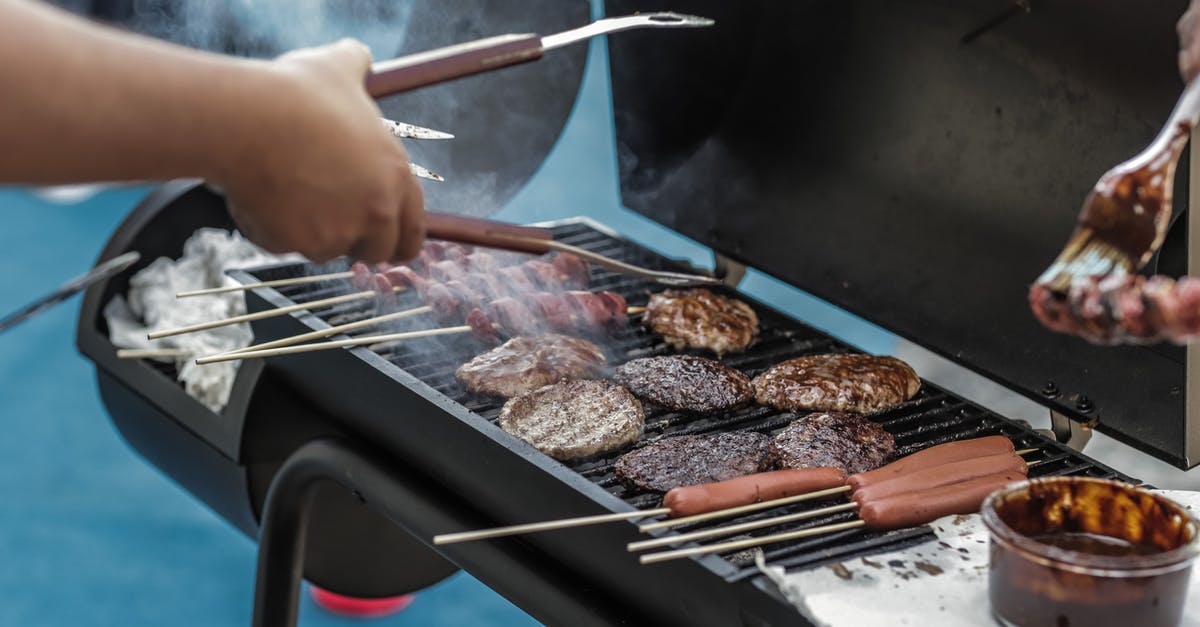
344	463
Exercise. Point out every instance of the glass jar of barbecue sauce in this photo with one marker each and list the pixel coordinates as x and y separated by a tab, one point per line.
1083	552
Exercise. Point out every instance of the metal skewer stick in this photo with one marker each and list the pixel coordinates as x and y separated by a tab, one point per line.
732	529
269	313
300	280
753	507
736	545
323	346
549	525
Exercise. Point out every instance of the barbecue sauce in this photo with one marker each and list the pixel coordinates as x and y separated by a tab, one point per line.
1076	551
1096	544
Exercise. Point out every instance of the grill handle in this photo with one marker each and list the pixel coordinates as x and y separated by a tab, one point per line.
489	233
442	64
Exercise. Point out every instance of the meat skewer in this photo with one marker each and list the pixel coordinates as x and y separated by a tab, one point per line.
497	532
432	251
558	273
925	479
478	322
752	493
908	509
778	483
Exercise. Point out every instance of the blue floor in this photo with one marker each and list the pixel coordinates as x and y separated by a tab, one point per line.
92	535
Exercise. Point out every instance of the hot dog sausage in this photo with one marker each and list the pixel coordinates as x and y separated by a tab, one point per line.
919	508
934	456
938	476
763	486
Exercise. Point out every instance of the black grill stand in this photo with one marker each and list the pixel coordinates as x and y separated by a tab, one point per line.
540	586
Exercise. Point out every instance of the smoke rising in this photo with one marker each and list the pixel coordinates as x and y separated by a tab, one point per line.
505	122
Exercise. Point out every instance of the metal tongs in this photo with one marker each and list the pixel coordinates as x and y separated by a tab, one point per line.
536	240
484	55
443	64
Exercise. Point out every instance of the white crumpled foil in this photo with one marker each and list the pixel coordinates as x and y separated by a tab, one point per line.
151	305
943	583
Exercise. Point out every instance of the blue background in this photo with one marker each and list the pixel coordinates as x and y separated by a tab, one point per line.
90	534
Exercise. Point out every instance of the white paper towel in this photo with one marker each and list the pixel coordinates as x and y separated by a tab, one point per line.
935	584
151	305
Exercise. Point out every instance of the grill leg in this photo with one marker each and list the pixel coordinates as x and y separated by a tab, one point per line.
285	521
554	595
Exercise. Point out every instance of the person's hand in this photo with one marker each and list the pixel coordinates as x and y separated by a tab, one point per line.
318	174
1189	42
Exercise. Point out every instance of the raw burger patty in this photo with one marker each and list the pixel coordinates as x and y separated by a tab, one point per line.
523	364
575	419
699	318
694	459
839	440
686	383
861	383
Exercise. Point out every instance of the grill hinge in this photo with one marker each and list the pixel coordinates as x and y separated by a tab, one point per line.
729	271
1072	433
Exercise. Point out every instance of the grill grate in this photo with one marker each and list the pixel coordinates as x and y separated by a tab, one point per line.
934	416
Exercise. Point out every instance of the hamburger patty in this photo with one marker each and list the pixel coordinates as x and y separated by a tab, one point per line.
861	383
686	383
838	440
575	419
694	459
698	318
523	364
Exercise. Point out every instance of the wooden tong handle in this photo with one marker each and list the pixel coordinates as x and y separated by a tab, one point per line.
435	66
489	233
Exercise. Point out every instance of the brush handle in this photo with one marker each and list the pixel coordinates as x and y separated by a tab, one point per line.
489	233
442	64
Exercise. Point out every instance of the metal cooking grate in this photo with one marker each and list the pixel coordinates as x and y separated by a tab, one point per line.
932	417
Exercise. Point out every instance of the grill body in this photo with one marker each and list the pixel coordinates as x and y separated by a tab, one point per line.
402	407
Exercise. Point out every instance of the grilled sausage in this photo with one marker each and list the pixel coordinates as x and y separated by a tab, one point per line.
763	486
934	456
938	476
918	508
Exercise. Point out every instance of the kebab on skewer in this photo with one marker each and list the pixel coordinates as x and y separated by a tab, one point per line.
534	313
558	273
763	491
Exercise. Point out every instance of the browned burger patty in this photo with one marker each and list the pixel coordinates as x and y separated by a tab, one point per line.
838	440
694	459
699	318
686	383
523	364
575	419
861	383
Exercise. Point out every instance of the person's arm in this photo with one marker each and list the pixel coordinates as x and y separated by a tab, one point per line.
1188	29
296	143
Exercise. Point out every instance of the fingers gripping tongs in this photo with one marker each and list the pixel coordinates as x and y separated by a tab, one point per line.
436	66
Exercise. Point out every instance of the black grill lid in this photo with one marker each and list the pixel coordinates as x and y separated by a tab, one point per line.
862	151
